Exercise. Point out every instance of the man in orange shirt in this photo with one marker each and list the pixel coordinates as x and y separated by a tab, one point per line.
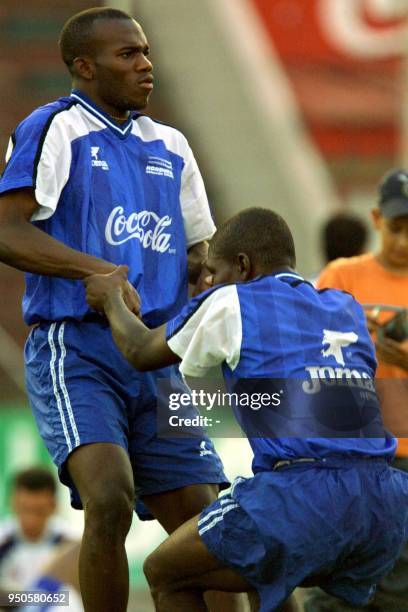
381	280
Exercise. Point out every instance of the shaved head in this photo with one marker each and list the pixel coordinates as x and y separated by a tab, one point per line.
260	233
78	36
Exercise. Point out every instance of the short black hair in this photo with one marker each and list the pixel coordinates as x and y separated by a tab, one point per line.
343	235
35	479
260	233
76	35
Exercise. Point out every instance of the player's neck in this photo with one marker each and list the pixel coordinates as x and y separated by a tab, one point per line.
118	115
265	270
120	119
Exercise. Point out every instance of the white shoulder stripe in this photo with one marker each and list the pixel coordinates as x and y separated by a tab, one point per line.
149	130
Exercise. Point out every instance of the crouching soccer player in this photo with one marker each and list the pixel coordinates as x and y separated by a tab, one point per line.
325	509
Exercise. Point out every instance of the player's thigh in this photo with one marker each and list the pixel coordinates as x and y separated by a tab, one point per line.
183	561
101	470
173	508
76	399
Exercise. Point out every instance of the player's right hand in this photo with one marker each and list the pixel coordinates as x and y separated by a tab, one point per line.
101	287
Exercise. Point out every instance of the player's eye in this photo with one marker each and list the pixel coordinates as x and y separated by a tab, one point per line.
126	54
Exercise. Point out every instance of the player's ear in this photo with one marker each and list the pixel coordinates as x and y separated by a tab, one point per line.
83	68
244	266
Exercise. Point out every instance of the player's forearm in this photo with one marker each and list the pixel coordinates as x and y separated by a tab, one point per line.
146	349
129	333
27	248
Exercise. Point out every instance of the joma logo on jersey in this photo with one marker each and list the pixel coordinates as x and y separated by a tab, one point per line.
98	163
145	226
204	450
159	166
337	341
328	375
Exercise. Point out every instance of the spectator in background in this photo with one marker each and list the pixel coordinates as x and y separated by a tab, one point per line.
30	537
344	234
382	278
59	581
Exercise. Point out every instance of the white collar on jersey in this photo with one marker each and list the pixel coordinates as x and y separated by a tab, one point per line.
288	275
124	129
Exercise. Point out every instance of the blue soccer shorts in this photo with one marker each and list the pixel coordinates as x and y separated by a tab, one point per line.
343	521
83	391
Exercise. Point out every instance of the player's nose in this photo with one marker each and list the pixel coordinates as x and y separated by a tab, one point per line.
144	64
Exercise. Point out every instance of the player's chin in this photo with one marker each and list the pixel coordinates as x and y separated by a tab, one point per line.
138	103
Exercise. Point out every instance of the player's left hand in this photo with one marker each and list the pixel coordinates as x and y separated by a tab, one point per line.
100	287
394	353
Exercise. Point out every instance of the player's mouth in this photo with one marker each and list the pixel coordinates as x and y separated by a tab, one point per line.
146	82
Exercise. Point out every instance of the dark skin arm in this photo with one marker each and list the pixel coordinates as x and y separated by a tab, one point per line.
196	256
144	348
27	248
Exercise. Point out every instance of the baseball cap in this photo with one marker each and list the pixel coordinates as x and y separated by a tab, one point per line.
394	194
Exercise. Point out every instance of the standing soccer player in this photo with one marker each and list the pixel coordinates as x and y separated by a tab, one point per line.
324	506
90	184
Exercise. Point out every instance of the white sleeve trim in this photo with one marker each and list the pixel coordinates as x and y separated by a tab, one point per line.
53	168
198	223
9	151
212	335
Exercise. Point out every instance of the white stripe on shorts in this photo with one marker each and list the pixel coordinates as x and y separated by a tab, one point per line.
63	386
54	383
217	519
222	501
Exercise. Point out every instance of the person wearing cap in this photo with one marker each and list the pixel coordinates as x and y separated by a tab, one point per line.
381	278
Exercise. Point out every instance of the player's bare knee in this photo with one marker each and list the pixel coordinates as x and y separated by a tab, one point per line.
109	513
155	572
150	568
159	584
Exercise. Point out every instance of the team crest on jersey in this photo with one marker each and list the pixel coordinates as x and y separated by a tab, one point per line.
96	162
145	226
337	341
159	166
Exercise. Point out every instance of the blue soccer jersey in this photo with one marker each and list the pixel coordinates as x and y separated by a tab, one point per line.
129	193
308	349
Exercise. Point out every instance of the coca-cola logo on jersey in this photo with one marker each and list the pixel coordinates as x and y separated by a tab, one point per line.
145	226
